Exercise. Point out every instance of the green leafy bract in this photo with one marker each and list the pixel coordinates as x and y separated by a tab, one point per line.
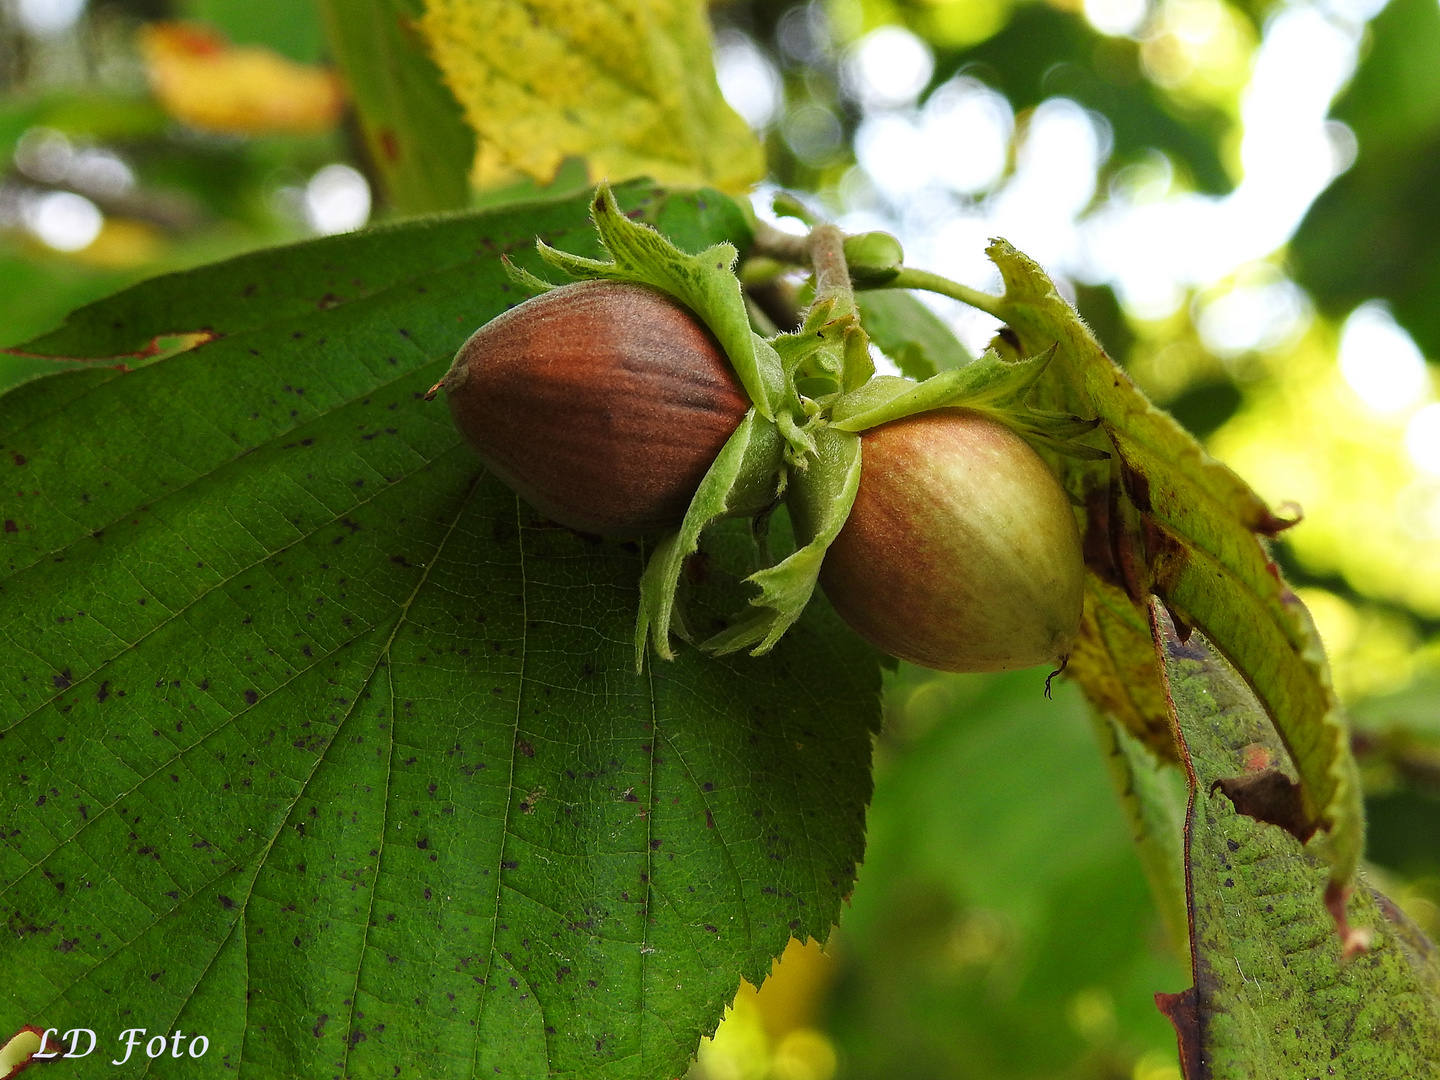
819	499
741	479
317	741
991	385
1272	994
911	334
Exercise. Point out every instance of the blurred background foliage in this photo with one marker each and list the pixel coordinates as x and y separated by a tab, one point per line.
1238	195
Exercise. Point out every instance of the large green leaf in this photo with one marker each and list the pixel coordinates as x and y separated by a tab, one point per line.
317	742
414	130
1272	995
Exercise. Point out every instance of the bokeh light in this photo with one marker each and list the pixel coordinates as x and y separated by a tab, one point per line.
748	80
1380	362
1260	314
889	68
1115	17
63	220
1422	439
337	200
48	18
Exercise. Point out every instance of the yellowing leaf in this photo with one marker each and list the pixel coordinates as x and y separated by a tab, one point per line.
629	85
239	90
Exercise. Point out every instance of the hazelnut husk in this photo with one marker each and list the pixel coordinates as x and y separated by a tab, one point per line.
601	403
961	552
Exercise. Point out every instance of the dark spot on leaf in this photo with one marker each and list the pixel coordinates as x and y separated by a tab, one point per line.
61	681
19	458
226	902
525	748
319	1027
389	145
10	525
251	697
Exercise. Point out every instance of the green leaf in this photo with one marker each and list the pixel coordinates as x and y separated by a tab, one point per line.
910	333
1114	659
1001	928
1272	995
1166	518
318	742
413	127
1151	794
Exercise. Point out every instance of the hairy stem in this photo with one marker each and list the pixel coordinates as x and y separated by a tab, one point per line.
781	246
909	278
832	275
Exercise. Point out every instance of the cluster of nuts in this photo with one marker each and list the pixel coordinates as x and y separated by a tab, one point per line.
937	532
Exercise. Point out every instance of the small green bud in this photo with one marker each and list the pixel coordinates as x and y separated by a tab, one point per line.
873	257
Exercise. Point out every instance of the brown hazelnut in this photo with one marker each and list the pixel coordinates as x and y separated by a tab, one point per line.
602	404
